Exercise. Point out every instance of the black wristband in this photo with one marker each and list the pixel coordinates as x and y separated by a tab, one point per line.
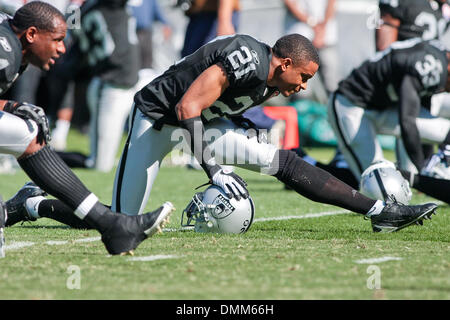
198	145
9	106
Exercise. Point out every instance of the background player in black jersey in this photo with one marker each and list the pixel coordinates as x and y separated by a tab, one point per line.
219	81
406	19
403	20
35	35
104	49
389	95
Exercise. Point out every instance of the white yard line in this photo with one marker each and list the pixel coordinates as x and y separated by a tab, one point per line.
304	216
87	239
152	258
18	245
56	242
61	242
377	260
178	229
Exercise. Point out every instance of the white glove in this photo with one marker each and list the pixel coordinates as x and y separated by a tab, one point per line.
231	183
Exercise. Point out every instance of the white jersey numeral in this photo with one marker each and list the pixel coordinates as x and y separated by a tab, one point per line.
430	70
434	28
426	18
237	59
100	45
4	16
244	101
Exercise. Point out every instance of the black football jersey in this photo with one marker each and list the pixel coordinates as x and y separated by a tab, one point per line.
10	55
404	77
375	84
246	62
106	43
418	18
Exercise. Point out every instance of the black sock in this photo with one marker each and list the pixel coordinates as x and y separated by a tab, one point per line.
428	150
437	188
434	187
51	174
57	210
318	185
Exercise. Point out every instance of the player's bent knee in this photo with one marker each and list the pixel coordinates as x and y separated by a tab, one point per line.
32	148
17	136
234	147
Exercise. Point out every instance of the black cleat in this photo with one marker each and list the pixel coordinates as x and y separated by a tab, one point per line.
3	218
396	216
129	231
17	211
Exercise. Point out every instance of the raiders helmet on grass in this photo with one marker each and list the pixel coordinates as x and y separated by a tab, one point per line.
383	181
213	211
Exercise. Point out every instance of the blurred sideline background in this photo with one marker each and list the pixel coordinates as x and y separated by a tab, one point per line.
264	19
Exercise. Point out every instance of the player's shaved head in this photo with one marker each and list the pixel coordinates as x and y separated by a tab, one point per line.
36	14
296	47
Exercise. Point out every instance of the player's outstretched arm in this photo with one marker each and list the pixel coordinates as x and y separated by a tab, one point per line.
202	93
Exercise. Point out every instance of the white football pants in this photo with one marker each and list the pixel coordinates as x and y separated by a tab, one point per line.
109	106
440	105
16	134
356	129
146	148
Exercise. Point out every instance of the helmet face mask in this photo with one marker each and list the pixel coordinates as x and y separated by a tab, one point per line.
383	181
213	211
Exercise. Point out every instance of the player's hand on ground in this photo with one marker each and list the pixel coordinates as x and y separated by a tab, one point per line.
233	185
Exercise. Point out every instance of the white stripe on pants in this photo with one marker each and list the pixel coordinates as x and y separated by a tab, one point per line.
356	129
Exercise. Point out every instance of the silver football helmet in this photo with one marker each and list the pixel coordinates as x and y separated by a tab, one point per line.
213	211
383	181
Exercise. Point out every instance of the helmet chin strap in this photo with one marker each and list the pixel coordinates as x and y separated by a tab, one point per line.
205	184
380	183
383	181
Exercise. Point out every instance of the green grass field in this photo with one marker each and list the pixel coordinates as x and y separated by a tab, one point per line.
300	258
